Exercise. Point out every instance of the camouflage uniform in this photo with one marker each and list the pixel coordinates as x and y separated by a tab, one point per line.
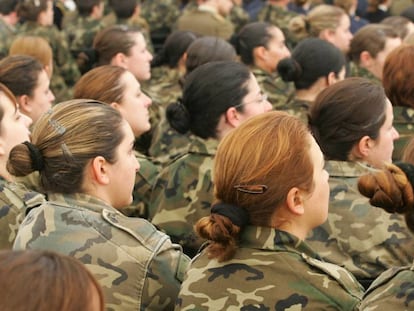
298	108
364	239
273	85
166	143
392	290
404	124
82	33
137	266
239	17
357	71
271	270
15	200
205	21
7	33
65	69
144	181
280	17
160	14
183	194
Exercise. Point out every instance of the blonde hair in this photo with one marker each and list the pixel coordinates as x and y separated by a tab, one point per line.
321	17
36	47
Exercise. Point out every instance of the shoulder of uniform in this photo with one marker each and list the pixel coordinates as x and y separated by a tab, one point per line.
140	229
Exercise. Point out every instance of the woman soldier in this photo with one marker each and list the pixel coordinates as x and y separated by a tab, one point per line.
84	152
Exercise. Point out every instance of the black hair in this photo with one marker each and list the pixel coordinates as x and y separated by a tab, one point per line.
208	92
311	59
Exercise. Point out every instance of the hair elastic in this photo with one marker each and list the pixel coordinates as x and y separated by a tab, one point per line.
236	214
35	156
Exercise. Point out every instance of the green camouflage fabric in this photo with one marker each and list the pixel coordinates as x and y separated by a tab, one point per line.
239	17
137	266
271	270
160	14
357	71
144	181
392	290
81	33
15	201
183	194
364	239
298	108
166	143
7	33
206	22
404	124
64	65
278	91
280	17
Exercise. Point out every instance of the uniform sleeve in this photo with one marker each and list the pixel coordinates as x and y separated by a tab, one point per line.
164	277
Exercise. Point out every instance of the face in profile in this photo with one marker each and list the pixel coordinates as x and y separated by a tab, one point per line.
122	172
342	35
255	102
381	148
276	48
14	126
139	59
42	98
134	105
316	204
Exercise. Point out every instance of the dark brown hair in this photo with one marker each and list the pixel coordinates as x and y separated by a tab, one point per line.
344	113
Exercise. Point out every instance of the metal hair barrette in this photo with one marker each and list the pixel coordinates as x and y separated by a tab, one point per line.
251	189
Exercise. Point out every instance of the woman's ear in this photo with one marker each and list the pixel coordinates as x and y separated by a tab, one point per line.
99	170
232	117
362	148
119	60
332	79
294	201
259	53
24	104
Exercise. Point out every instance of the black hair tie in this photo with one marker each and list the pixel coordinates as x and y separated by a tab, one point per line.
236	214
35	156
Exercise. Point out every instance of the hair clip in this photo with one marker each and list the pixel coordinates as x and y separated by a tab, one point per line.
252	189
60	129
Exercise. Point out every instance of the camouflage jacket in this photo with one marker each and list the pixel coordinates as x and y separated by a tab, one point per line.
392	290
166	143
404	124
160	14
364	239
65	69
239	17
81	33
7	33
278	91
280	17
297	107
206	22
15	200
137	266
358	71
271	270
144	181
183	194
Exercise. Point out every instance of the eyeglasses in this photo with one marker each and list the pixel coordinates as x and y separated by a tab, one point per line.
261	100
